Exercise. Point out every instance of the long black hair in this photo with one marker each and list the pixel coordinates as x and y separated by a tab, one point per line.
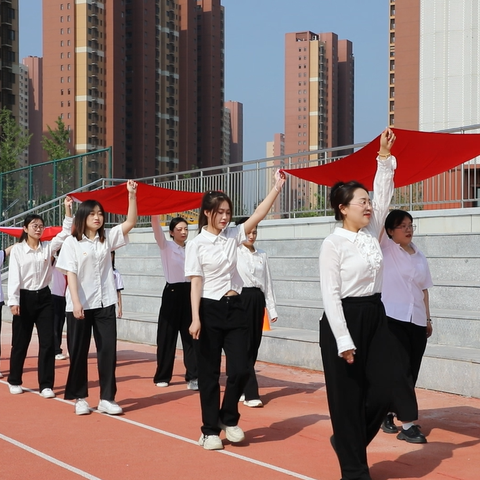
211	202
80	220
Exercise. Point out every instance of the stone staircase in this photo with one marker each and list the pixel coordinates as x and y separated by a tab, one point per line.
452	359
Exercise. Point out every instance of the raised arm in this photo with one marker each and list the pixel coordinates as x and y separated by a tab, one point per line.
261	211
158	232
383	183
131	220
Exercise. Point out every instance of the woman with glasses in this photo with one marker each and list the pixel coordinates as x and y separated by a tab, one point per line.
219	318
405	295
30	300
354	336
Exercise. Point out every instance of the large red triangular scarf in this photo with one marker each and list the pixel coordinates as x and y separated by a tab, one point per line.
150	200
420	155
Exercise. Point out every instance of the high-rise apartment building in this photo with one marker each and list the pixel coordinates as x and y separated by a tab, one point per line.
235	129
319	92
111	72
434	78
202	60
9	56
23	120
35	104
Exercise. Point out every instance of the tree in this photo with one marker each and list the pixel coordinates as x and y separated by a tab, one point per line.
13	143
56	144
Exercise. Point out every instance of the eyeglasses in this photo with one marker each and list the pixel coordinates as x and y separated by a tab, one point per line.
406	227
36	226
362	203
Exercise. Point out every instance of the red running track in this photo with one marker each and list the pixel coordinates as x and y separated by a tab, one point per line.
157	436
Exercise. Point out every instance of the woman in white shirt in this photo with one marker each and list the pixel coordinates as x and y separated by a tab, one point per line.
257	294
406	281
91	300
3	255
218	317
176	311
354	337
30	300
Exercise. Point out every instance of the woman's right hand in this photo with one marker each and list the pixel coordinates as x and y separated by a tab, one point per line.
348	355
78	311
15	309
194	329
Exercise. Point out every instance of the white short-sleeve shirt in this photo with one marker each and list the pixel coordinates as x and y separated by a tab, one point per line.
214	258
253	268
91	261
405	277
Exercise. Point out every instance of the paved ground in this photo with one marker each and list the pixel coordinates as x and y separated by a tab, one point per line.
157	436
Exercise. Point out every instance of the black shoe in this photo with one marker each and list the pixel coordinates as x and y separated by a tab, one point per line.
412	435
332	443
388	426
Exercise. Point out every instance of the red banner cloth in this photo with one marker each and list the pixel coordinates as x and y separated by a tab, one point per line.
48	232
420	155
150	200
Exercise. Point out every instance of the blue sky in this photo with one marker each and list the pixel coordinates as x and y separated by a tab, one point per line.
254	51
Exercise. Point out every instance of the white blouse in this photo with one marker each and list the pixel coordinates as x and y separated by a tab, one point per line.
31	269
351	263
214	258
91	261
172	255
404	280
253	268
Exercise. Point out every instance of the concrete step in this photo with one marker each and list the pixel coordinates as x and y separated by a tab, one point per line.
446	368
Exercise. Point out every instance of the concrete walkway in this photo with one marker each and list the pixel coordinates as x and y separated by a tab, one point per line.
157	435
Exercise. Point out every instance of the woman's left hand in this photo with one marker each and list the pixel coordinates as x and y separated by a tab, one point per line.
429	329
273	320
348	355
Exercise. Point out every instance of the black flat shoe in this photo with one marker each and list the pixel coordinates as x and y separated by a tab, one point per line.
388	425
412	435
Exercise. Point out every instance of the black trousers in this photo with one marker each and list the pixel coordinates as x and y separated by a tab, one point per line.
411	341
104	324
35	309
254	303
223	325
359	394
59	304
175	316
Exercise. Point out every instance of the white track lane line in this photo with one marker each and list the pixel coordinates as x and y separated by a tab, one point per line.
156	430
50	459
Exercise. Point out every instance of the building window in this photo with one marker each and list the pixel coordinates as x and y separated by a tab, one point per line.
61	19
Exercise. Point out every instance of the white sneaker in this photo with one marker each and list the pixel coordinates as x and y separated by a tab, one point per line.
110	407
210	442
61	356
162	384
82	407
192	384
234	434
15	389
47	393
242	398
257	403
